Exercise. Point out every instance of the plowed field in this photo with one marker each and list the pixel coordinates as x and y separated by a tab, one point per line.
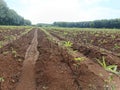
43	59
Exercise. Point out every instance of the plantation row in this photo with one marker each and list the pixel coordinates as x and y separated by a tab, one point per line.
91	55
68	59
104	38
8	34
14	42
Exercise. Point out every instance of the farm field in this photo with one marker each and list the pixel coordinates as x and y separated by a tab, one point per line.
51	58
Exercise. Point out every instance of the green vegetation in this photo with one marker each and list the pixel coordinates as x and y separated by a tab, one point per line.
1	44
10	17
109	83
11	33
5	52
43	25
103	38
116	46
14	52
79	59
26	31
1	80
96	31
68	44
84	40
110	68
113	23
9	38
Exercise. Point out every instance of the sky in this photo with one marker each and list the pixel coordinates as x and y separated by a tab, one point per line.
49	11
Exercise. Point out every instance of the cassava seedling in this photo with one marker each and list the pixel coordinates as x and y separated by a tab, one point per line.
109	83
80	59
68	44
110	68
1	80
14	52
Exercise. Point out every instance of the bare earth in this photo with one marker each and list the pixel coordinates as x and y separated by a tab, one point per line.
27	80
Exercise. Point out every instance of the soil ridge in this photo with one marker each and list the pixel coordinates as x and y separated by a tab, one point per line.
27	80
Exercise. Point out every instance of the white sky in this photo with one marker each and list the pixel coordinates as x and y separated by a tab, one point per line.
48	11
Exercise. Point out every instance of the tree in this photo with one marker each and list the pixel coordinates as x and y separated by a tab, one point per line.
10	17
112	23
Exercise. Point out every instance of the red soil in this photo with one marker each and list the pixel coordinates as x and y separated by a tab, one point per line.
42	64
10	65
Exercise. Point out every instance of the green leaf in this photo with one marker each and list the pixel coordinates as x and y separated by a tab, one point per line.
2	79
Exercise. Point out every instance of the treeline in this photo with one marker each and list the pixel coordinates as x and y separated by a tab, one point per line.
43	25
112	23
10	17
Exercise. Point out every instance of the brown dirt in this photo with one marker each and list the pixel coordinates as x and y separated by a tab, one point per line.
51	72
90	70
45	65
91	51
10	66
94	53
7	32
27	80
101	39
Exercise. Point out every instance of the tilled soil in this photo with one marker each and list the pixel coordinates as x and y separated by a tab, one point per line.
51	72
102	39
93	52
27	80
11	63
42	64
89	74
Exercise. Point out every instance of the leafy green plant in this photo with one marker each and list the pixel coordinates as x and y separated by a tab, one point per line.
104	41
110	68
80	59
1	44
116	46
65	33
1	80
96	35
6	52
14	52
68	44
108	83
91	41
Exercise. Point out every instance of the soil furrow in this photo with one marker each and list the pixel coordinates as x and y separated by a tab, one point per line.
92	52
11	63
51	72
27	80
87	71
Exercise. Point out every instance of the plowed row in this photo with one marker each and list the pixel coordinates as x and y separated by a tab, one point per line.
91	52
11	63
55	67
